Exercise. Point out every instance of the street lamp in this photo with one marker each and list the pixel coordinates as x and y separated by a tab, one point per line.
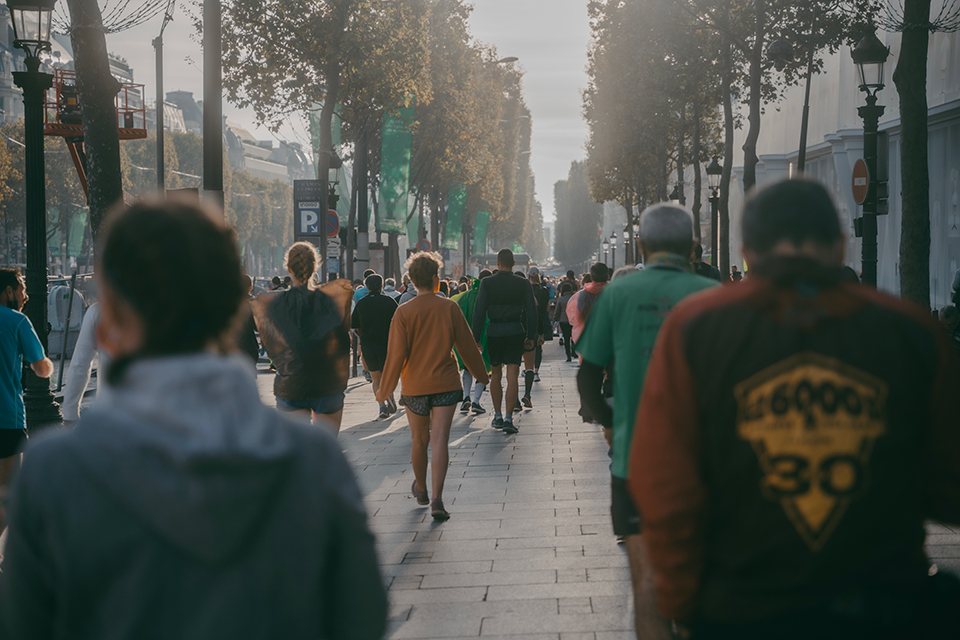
613	251
31	32
606	250
714	175
675	194
870	55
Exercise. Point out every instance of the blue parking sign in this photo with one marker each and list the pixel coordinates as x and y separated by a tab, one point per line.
308	219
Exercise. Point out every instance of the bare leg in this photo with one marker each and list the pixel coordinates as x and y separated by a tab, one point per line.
496	387
420	433
331	420
440	420
513	387
648	623
7	467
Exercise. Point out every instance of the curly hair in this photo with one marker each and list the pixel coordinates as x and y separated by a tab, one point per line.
167	244
301	261
422	267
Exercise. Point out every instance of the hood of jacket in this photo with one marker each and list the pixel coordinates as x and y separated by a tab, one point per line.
594	287
186	446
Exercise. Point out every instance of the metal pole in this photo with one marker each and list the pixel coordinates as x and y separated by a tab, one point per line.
871	120
805	120
213	104
161	178
714	228
41	408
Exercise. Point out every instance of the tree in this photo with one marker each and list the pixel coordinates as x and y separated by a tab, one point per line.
578	217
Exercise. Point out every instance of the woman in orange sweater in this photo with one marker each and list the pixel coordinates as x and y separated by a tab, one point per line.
420	351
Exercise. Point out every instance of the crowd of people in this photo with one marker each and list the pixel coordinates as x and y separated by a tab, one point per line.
776	445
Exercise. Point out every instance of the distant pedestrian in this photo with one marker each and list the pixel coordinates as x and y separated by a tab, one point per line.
565	293
390	289
580	306
422	337
735	275
247	335
409	291
541	294
371	320
508	303
184	507
794	435
287	282
276	283
702	268
360	286
18	344
86	353
472	389
618	340
305	331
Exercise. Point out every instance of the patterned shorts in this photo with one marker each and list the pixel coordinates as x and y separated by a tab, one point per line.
421	405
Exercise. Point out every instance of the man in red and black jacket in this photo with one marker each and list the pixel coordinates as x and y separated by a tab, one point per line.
793	435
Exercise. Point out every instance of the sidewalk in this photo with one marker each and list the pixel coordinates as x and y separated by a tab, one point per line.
529	551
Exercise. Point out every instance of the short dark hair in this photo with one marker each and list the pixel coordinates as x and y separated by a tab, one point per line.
571	275
485	273
505	258
276	281
797	210
587	279
10	278
698	250
374	283
368	272
599	272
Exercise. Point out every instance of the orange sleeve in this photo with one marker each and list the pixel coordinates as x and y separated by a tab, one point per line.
664	474
467	346
397	353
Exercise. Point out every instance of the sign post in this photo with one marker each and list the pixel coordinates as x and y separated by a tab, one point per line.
309	200
861	181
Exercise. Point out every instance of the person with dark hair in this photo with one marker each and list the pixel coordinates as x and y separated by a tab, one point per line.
702	268
581	304
794	434
287	282
422	338
565	293
276	283
18	344
371	320
443	289
545	328
507	302
472	389
184	507
306	333
735	275
360	286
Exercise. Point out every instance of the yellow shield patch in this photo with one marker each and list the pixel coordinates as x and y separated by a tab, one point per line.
812	421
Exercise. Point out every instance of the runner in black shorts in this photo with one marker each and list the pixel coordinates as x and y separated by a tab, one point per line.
509	304
371	320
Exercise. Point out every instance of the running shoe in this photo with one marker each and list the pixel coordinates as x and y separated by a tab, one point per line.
518	408
366	376
536	377
437	511
509	427
477	409
527	402
465	406
497	423
384	412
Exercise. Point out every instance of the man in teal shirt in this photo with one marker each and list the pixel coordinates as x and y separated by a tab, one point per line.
18	342
619	339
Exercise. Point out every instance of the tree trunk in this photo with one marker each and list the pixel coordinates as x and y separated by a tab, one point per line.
697	178
723	222
351	230
363	209
911	80
97	90
629	257
681	141
750	158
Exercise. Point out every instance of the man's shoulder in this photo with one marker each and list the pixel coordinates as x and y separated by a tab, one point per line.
12	317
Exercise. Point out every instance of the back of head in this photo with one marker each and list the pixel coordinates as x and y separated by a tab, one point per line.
565	288
485	273
796	211
624	271
535	278
666	228
390	282
505	259
374	283
167	244
368	273
422	268
587	279
571	275
301	261
599	272
276	281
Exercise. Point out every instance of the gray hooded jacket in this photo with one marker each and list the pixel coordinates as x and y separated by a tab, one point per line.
184	508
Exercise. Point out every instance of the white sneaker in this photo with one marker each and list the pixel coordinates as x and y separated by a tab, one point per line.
536	377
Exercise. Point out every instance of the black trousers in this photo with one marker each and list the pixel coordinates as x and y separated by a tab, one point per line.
567	330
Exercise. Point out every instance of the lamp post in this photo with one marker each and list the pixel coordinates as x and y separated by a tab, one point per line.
674	196
714	173
870	55
333	179
31	28
606	251
613	251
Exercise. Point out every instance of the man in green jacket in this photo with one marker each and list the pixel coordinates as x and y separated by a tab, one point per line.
467	301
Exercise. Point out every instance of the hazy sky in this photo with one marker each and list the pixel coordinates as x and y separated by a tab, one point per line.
549	36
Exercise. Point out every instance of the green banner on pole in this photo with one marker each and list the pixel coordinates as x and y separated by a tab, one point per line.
456	207
395	151
517	248
346	173
78	225
480	233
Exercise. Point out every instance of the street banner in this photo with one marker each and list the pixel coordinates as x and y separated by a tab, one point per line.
78	225
395	151
480	233
456	207
517	248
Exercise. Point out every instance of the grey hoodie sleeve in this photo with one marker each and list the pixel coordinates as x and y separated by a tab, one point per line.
357	603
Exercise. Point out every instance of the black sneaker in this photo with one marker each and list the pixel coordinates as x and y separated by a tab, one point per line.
518	408
509	427
477	409
366	376
497	423
527	402
465	406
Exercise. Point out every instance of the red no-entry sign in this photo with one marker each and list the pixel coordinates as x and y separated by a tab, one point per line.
861	181
333	223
